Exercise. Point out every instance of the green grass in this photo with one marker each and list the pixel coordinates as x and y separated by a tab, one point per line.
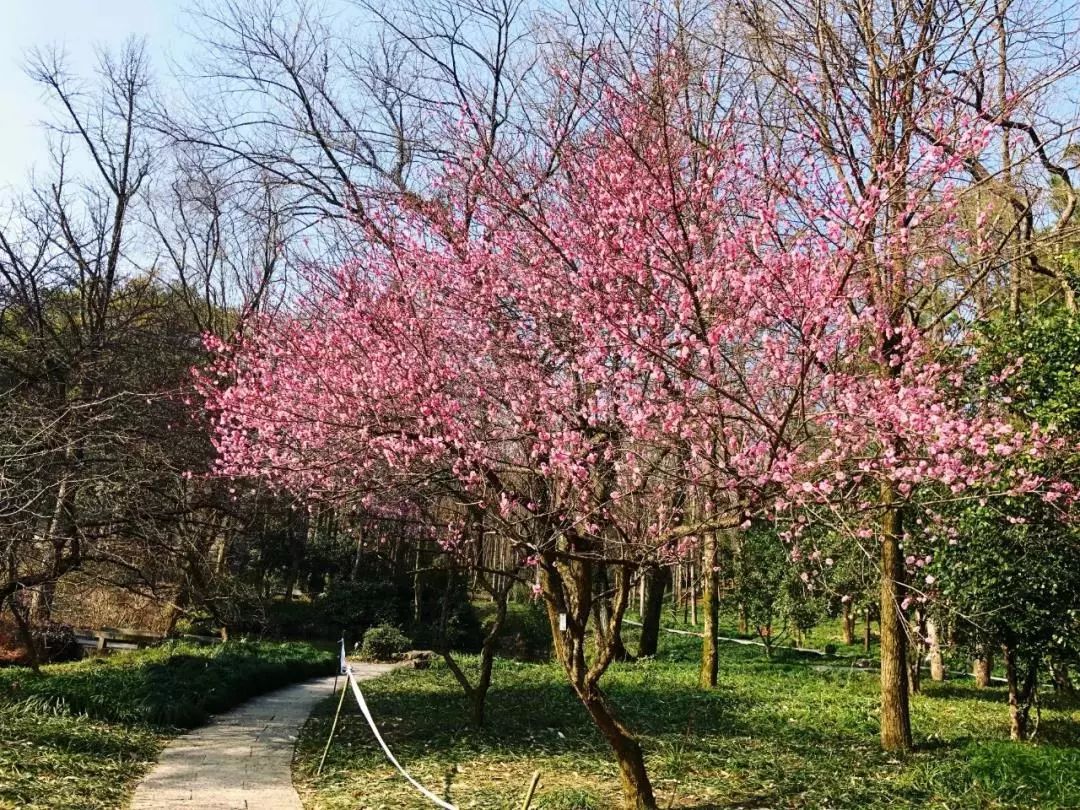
794	733
79	735
62	761
828	632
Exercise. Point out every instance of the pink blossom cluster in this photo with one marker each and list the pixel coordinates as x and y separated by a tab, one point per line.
622	335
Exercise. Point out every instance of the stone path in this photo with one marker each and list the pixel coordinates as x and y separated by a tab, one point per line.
241	760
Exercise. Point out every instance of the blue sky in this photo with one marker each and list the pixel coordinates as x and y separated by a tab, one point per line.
78	26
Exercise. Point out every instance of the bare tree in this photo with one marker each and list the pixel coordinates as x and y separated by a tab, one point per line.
68	298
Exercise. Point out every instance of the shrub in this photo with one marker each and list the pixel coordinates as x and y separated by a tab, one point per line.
384	643
295	619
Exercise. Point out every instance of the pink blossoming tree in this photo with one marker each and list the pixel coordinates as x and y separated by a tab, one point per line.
615	342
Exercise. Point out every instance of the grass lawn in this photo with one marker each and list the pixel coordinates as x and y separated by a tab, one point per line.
80	735
794	732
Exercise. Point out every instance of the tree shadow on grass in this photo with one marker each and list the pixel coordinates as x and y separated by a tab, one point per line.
522	716
546	714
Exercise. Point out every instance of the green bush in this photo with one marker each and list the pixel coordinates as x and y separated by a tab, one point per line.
174	685
384	643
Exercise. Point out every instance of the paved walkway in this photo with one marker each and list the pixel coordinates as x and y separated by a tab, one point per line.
241	760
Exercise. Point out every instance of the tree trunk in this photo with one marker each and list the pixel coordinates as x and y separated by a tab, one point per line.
914	671
655	582
1021	695
477	694
983	667
297	539
916	652
1059	671
937	659
710	609
867	636
848	626
636	787
895	711
676	592
417	589
41	603
687	594
176	609
568	590
222	556
693	598
602	612
26	634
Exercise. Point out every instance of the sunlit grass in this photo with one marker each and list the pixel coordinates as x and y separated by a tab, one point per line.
793	732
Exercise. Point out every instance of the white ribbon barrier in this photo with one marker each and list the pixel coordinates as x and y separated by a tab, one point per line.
386	749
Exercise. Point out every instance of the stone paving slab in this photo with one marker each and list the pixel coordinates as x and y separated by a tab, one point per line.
240	760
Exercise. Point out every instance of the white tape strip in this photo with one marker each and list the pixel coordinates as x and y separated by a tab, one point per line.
386	749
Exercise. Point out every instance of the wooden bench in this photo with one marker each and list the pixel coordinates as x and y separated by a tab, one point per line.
112	638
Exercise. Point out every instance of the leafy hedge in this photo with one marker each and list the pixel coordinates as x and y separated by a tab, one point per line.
384	643
175	685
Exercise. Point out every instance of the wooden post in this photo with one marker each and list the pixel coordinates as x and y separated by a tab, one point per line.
532	790
333	726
